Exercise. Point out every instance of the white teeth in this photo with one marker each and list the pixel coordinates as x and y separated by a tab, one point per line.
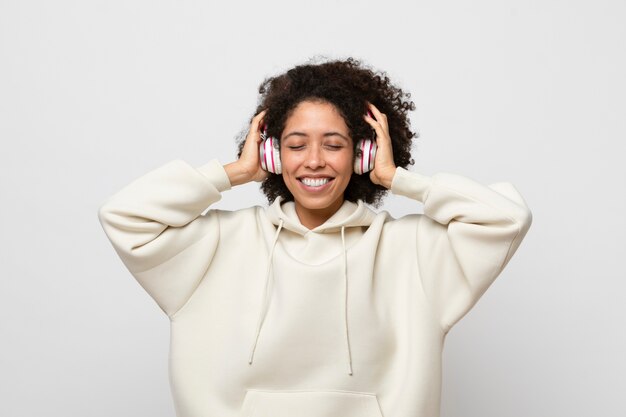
314	183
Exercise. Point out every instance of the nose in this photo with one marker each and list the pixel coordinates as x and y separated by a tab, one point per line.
315	157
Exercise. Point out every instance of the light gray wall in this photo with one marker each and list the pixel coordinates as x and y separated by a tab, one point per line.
94	94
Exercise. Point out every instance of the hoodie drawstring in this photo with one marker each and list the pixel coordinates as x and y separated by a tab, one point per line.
268	294
345	299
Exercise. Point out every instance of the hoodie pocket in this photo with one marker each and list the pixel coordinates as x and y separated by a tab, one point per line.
267	403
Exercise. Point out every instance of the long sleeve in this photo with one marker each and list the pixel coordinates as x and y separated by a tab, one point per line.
155	226
465	238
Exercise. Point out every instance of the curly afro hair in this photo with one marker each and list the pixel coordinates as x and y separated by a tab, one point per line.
348	85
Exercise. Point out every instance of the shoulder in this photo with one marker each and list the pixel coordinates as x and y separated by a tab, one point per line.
243	223
390	225
225	215
398	235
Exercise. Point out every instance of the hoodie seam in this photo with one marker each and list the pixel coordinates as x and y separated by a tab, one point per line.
333	259
446	327
431	307
204	274
353	219
287	391
480	201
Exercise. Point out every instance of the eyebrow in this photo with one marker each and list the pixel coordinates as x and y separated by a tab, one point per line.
325	135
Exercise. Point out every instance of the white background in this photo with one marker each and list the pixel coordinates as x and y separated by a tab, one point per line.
94	94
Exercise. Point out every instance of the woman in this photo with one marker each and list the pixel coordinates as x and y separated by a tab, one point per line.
315	306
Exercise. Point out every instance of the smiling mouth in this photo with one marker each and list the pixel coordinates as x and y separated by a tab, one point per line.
315	182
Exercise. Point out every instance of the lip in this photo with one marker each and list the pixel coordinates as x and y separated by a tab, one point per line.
315	176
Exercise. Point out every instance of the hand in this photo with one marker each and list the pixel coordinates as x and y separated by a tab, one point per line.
384	167
248	167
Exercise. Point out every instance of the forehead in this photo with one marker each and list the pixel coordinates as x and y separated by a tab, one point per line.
315	116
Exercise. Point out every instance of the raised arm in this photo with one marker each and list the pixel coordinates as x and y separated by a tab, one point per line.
467	235
156	227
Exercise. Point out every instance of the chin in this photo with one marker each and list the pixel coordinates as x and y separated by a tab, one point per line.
316	200
317	203
311	204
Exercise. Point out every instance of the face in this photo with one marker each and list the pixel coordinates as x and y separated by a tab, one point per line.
316	155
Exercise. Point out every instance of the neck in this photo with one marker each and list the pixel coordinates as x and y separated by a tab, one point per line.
311	218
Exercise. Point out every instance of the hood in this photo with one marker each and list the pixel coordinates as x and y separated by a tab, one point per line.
283	215
349	215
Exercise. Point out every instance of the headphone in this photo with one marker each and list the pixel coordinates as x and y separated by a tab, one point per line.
270	154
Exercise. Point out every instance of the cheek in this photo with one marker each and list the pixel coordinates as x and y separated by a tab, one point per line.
288	161
343	162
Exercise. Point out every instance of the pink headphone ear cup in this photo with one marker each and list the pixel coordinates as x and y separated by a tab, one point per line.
269	156
278	168
365	162
262	160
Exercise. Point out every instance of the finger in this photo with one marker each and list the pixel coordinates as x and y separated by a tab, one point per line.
372	122
374	109
381	134
369	111
380	117
260	114
254	138
258	118
375	123
377	115
254	135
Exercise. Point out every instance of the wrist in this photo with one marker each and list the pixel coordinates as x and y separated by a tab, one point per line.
236	174
388	178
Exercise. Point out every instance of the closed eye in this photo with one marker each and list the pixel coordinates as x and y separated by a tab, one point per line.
334	147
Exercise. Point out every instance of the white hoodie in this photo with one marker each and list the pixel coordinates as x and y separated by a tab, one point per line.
271	319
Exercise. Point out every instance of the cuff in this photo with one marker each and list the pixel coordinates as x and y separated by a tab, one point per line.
411	184
216	173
